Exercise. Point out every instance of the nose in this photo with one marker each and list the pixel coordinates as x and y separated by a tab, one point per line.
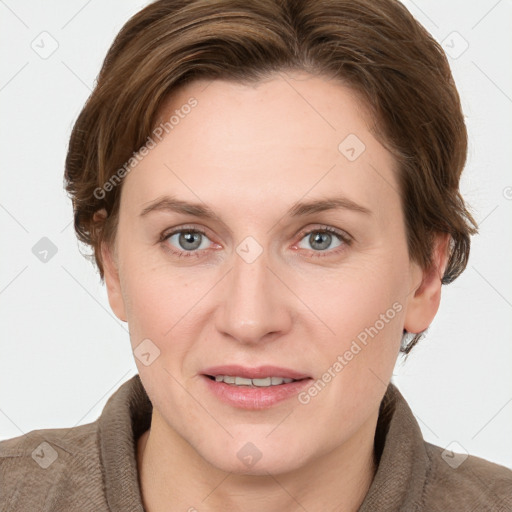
255	305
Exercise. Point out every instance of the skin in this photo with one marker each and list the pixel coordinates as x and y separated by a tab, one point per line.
250	153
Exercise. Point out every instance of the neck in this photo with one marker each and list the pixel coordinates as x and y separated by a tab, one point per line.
336	481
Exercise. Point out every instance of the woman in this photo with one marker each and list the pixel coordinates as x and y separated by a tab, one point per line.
271	192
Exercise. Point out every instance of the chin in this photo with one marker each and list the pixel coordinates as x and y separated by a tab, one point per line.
256	458
260	468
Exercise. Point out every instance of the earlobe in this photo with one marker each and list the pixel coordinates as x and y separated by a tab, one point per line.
113	283
111	275
424	300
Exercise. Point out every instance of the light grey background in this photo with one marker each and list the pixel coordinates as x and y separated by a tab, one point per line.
63	352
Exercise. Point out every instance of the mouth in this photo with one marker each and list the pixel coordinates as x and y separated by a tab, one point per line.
235	380
254	388
255	373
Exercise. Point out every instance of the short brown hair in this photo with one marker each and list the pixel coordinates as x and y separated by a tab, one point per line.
375	47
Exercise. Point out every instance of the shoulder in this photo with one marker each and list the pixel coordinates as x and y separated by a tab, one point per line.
458	478
52	469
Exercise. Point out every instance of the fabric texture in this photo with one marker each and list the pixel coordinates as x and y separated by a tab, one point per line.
93	467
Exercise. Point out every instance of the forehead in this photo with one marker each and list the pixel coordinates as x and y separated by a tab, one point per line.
287	137
303	109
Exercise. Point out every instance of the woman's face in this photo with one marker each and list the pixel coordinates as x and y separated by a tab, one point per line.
247	276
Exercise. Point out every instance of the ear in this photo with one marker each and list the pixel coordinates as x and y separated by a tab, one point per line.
424	303
111	275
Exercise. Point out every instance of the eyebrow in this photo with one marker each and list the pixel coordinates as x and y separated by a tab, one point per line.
300	209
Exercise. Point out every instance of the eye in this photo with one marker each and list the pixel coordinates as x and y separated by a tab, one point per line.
186	241
321	239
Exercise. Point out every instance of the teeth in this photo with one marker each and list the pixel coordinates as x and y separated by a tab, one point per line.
242	381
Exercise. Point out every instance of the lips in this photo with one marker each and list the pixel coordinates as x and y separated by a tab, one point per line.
259	372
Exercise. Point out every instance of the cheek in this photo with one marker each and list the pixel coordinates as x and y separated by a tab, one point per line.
356	362
166	305
156	303
150	299
363	310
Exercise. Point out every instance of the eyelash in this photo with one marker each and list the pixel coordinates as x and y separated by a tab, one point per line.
347	241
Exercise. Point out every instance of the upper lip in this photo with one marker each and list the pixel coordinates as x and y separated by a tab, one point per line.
258	372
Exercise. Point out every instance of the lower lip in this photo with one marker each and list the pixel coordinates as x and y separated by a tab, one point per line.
248	397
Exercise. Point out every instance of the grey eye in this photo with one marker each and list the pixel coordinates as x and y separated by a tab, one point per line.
189	240
321	240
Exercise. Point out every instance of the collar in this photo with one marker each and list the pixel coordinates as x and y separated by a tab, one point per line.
403	462
126	415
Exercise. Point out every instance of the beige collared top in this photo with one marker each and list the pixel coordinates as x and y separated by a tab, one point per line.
93	467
